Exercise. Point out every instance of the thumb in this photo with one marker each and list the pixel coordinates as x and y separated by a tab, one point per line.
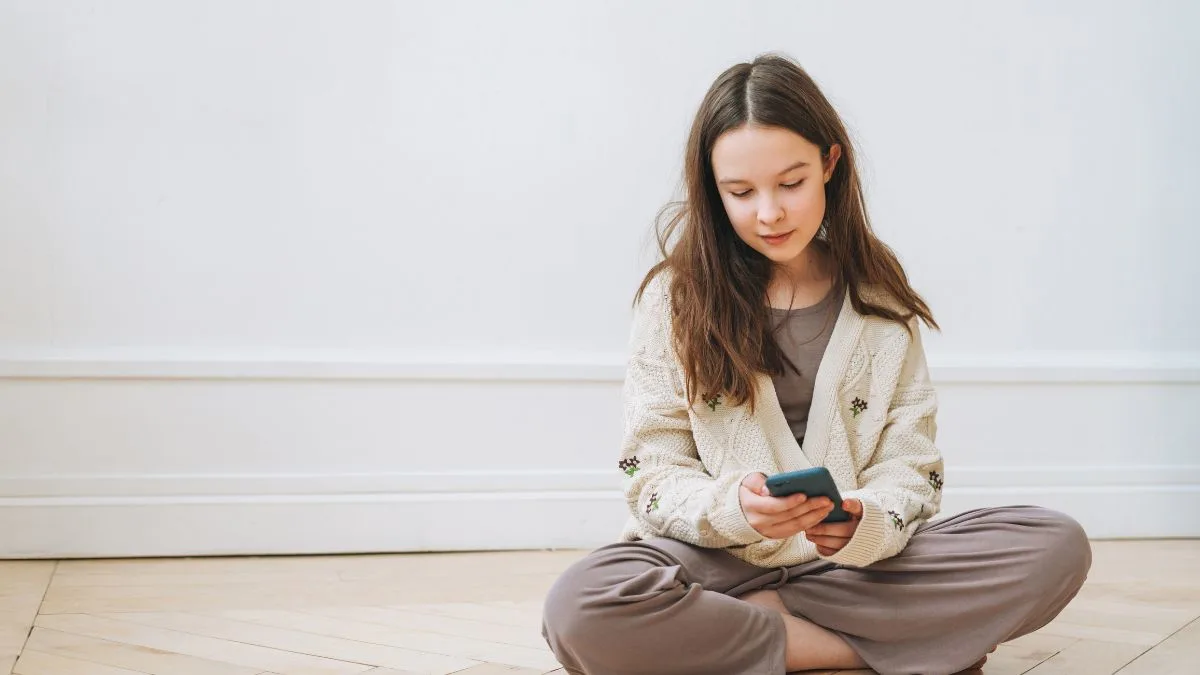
756	483
854	507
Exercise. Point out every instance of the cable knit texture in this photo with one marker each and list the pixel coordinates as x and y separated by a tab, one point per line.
872	424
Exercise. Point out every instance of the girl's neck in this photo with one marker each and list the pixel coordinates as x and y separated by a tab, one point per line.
804	281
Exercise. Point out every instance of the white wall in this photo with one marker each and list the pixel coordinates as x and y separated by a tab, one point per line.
318	276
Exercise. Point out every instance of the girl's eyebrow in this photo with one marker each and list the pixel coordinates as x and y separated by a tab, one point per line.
726	181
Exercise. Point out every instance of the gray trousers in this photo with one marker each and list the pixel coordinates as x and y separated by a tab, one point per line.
963	585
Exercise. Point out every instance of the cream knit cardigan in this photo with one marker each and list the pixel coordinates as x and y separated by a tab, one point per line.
871	424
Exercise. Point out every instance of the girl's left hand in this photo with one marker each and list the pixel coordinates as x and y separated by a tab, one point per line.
833	537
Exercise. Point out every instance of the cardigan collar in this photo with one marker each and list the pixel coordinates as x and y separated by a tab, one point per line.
828	384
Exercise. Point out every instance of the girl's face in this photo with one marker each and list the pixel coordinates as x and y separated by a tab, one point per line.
772	183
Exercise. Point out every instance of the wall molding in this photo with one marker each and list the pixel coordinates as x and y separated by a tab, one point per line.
1071	367
62	515
102	522
141	488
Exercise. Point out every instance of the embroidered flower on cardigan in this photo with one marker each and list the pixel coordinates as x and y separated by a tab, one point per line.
858	406
896	520
935	480
712	400
653	505
629	466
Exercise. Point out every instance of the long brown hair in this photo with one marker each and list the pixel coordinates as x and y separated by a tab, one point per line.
721	320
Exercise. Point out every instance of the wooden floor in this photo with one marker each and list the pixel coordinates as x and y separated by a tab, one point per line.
473	614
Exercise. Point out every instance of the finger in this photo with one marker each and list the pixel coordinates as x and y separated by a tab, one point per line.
754	482
826	551
814	504
796	500
854	507
789	502
806	520
845	530
775	506
798	519
752	501
828	542
817	514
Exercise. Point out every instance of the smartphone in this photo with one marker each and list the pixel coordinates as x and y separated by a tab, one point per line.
814	482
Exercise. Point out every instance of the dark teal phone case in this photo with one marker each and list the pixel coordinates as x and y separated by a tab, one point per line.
814	482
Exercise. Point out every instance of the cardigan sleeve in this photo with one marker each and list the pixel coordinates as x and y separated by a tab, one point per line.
901	487
666	486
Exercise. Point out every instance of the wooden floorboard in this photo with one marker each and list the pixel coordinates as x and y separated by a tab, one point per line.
403	614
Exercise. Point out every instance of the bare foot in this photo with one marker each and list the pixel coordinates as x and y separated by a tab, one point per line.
809	646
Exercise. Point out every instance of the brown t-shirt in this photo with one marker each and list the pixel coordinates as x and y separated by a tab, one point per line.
803	334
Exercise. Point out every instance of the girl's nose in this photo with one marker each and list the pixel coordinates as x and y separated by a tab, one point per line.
769	212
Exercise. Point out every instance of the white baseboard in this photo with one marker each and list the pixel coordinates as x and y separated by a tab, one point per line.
205	442
106	527
89	517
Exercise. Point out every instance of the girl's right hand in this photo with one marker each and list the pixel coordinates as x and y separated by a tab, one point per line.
779	517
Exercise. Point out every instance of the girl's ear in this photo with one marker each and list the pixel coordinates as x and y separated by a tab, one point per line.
835	153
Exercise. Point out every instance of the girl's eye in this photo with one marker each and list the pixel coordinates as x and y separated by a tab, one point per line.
746	193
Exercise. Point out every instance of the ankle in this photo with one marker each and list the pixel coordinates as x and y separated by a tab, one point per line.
809	646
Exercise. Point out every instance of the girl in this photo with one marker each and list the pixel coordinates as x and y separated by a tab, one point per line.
777	334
